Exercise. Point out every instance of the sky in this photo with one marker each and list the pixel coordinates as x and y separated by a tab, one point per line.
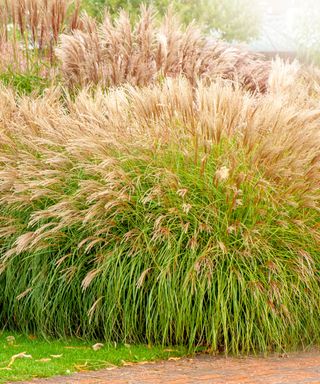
276	32
278	5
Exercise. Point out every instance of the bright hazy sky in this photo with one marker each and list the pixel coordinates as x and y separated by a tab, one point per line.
279	5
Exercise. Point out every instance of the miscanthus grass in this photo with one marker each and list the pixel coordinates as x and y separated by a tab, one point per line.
118	51
170	214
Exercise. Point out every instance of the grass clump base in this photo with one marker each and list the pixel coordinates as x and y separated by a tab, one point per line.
167	215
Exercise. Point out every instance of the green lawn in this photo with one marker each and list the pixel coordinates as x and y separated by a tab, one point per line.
57	357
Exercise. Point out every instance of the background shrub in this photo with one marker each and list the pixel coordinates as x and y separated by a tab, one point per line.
115	52
306	30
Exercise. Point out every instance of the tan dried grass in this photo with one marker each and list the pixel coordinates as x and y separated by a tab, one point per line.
115	52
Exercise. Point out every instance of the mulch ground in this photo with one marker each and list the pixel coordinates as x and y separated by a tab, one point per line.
299	368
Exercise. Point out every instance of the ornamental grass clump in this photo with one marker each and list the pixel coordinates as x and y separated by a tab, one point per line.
117	52
169	214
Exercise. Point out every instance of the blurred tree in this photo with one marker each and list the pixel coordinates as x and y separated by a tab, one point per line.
96	7
306	29
231	19
237	20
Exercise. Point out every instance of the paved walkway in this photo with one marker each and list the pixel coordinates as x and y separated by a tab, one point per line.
295	369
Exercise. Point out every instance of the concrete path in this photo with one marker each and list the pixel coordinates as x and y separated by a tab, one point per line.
297	368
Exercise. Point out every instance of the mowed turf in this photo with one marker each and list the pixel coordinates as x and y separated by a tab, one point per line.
24	357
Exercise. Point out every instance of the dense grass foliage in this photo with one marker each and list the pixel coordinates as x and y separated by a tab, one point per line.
170	214
24	83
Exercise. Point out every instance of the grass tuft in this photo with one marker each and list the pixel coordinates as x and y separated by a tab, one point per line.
170	214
